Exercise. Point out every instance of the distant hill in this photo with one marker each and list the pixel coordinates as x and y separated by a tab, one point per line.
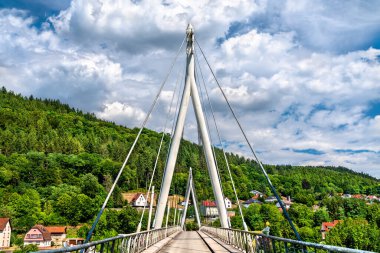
50	151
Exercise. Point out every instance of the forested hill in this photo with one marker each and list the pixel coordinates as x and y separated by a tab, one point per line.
53	157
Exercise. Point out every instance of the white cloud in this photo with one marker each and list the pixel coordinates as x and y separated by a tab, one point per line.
122	114
140	26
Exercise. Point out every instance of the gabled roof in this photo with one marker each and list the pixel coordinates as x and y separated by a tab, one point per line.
3	223
56	229
208	203
45	233
137	195
326	226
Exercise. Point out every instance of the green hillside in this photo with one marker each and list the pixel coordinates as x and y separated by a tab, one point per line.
56	164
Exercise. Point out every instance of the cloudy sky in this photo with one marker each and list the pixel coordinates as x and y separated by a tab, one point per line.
302	76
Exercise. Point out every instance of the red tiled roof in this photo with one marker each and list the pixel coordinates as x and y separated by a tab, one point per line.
208	203
3	223
45	233
56	230
326	226
137	195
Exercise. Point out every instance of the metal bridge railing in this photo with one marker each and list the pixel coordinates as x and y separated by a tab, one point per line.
252	242
123	243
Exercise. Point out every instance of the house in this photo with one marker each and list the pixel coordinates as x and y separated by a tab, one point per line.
139	200
131	198
5	233
256	194
247	203
287	204
228	203
326	226
58	234
73	241
271	199
38	235
136	199
209	209
372	198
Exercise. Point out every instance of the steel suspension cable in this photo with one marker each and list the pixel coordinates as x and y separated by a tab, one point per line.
252	150
89	235
159	151
221	144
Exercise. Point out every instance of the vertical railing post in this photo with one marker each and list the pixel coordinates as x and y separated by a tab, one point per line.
246	242
112	246
286	247
274	245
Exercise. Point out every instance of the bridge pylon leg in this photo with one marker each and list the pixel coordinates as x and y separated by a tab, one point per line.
190	90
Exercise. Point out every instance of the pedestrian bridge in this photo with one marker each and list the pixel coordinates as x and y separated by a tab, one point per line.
206	239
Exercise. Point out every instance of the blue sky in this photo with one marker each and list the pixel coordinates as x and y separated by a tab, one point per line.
302	76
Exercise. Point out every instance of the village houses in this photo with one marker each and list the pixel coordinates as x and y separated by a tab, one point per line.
38	235
5	233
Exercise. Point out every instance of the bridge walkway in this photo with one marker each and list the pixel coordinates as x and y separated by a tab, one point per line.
196	241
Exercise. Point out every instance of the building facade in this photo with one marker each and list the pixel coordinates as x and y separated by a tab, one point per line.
209	209
139	200
38	235
5	233
228	203
58	234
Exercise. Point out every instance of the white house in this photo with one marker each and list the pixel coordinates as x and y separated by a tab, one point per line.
58	234
139	200
209	209
228	203
5	233
38	235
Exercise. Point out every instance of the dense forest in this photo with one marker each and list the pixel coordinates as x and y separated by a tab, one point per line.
57	163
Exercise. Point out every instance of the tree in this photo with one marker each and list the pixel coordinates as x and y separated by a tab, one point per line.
301	215
321	215
27	248
355	233
90	186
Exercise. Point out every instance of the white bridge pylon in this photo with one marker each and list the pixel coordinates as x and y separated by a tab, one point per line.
190	90
190	190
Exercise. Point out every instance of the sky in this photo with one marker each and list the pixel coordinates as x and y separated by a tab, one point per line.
302	76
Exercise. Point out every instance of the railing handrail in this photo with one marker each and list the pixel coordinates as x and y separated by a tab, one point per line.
91	244
329	248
